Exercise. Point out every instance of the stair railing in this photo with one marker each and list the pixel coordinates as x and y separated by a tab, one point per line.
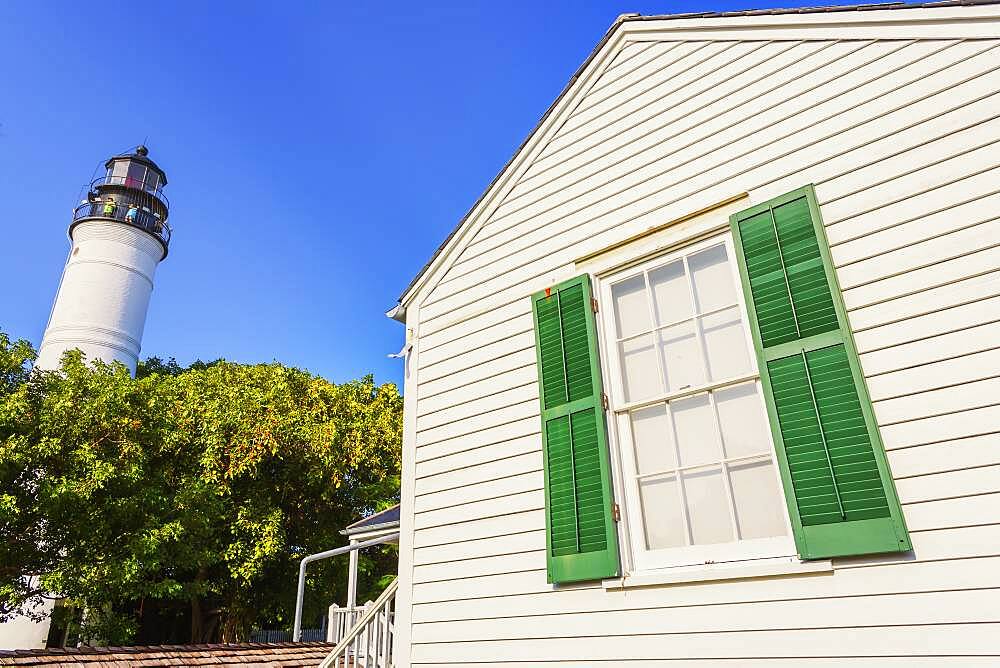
369	643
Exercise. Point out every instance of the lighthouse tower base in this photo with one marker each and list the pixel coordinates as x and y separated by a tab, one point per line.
103	295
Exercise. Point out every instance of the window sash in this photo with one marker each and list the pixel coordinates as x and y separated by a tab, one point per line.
622	438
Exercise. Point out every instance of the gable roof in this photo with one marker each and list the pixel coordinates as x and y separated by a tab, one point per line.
245	655
398	312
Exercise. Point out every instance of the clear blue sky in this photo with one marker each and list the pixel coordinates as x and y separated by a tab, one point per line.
318	152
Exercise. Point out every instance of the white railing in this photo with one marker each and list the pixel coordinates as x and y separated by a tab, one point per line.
363	635
342	620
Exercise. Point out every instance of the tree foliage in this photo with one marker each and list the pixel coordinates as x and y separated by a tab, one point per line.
185	497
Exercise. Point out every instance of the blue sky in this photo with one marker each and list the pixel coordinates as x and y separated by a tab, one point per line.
318	153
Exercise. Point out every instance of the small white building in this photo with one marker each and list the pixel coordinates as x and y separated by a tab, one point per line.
710	374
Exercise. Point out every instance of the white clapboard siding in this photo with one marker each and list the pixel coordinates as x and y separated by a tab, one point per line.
901	138
968	482
952	319
511	319
486	467
633	141
977	287
951	399
922	254
956	512
953	640
617	81
517	377
504	506
620	130
473	358
975	544
478	423
517	562
678	160
956	343
885	610
952	455
475	528
945	373
488	598
485	370
470	459
689	157
637	196
459	550
726	85
501	398
970	264
512	475
501	496
970	422
507	432
632	91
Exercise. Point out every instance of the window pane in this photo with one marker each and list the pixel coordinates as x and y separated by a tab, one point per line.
696	434
661	513
712	278
640	368
631	307
725	344
758	500
670	292
707	507
654	444
682	355
741	419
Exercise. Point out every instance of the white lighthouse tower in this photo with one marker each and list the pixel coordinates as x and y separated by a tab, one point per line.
118	236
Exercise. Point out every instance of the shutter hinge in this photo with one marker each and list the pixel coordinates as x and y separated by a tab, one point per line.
593	305
616	512
605	404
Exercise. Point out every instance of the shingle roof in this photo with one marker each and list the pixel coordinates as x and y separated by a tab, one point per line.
876	6
245	655
693	15
383	519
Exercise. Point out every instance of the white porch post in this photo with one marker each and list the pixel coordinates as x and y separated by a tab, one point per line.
352	578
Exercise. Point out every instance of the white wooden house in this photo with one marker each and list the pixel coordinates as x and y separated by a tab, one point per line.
710	374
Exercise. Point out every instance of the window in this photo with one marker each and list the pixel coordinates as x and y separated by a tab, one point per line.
698	461
737	404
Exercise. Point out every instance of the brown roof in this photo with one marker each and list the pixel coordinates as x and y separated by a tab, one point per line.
245	655
691	15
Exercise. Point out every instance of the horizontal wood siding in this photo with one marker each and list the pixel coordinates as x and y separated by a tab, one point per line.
901	139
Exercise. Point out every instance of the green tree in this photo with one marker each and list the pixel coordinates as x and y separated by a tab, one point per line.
189	492
24	553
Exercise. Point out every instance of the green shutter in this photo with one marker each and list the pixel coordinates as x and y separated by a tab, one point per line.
840	493
581	539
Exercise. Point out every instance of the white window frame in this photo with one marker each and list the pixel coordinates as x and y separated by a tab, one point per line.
620	436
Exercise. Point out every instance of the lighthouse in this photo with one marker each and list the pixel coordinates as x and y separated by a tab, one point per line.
118	235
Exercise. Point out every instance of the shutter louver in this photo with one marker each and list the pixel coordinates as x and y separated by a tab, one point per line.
581	537
840	495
